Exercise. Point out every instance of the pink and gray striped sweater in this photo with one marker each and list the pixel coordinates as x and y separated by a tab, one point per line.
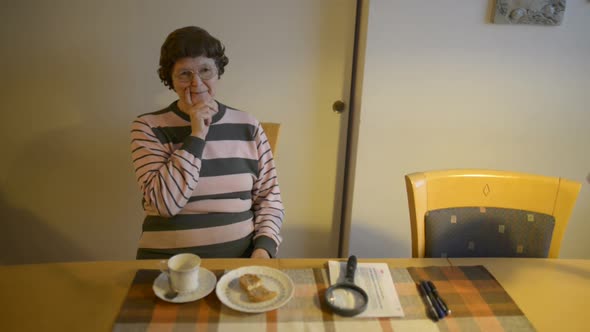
215	198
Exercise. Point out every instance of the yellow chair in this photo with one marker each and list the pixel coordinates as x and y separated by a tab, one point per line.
483	189
272	131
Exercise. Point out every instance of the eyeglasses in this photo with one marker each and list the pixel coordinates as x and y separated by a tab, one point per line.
205	73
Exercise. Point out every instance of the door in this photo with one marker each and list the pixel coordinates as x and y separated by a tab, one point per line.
289	61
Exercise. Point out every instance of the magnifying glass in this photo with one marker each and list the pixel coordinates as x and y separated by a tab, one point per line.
345	298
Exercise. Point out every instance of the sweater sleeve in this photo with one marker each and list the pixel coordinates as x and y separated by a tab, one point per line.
266	195
166	177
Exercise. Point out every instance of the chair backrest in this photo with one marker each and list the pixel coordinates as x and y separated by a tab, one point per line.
428	191
272	131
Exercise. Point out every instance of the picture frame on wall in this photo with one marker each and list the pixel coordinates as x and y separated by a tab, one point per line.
538	12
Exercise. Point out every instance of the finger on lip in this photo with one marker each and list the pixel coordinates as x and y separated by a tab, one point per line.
187	95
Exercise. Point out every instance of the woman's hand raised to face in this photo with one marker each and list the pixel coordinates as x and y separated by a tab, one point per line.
201	113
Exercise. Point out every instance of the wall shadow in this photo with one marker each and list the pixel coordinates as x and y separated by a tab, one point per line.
370	243
71	199
300	242
27	239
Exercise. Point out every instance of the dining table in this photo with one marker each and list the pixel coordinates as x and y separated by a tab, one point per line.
486	294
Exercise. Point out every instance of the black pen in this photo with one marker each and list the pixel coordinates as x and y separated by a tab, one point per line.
438	298
429	303
439	309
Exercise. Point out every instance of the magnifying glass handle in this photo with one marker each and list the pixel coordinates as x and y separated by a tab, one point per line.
350	269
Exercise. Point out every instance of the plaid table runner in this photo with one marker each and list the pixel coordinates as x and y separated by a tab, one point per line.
478	303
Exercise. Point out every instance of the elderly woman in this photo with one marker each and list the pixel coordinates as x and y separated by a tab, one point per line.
205	170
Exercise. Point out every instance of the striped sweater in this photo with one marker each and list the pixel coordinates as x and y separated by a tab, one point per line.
217	197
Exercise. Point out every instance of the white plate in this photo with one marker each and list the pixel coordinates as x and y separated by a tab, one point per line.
207	281
230	293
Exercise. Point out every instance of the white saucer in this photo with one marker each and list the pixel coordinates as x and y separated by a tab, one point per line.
207	282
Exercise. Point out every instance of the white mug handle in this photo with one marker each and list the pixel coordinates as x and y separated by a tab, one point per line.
164	267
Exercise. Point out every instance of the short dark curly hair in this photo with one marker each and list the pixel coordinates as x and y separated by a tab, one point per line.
192	42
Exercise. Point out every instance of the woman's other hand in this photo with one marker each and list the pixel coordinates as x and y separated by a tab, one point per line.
260	253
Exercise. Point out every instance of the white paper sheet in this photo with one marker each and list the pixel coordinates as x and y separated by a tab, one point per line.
376	280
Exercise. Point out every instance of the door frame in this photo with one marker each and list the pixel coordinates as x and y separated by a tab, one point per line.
352	130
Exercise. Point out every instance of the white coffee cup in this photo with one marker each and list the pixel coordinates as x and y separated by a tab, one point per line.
183	271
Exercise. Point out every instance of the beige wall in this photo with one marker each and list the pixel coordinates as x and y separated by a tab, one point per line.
444	88
76	73
72	77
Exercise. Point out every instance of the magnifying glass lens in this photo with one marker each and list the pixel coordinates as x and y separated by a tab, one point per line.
346	298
